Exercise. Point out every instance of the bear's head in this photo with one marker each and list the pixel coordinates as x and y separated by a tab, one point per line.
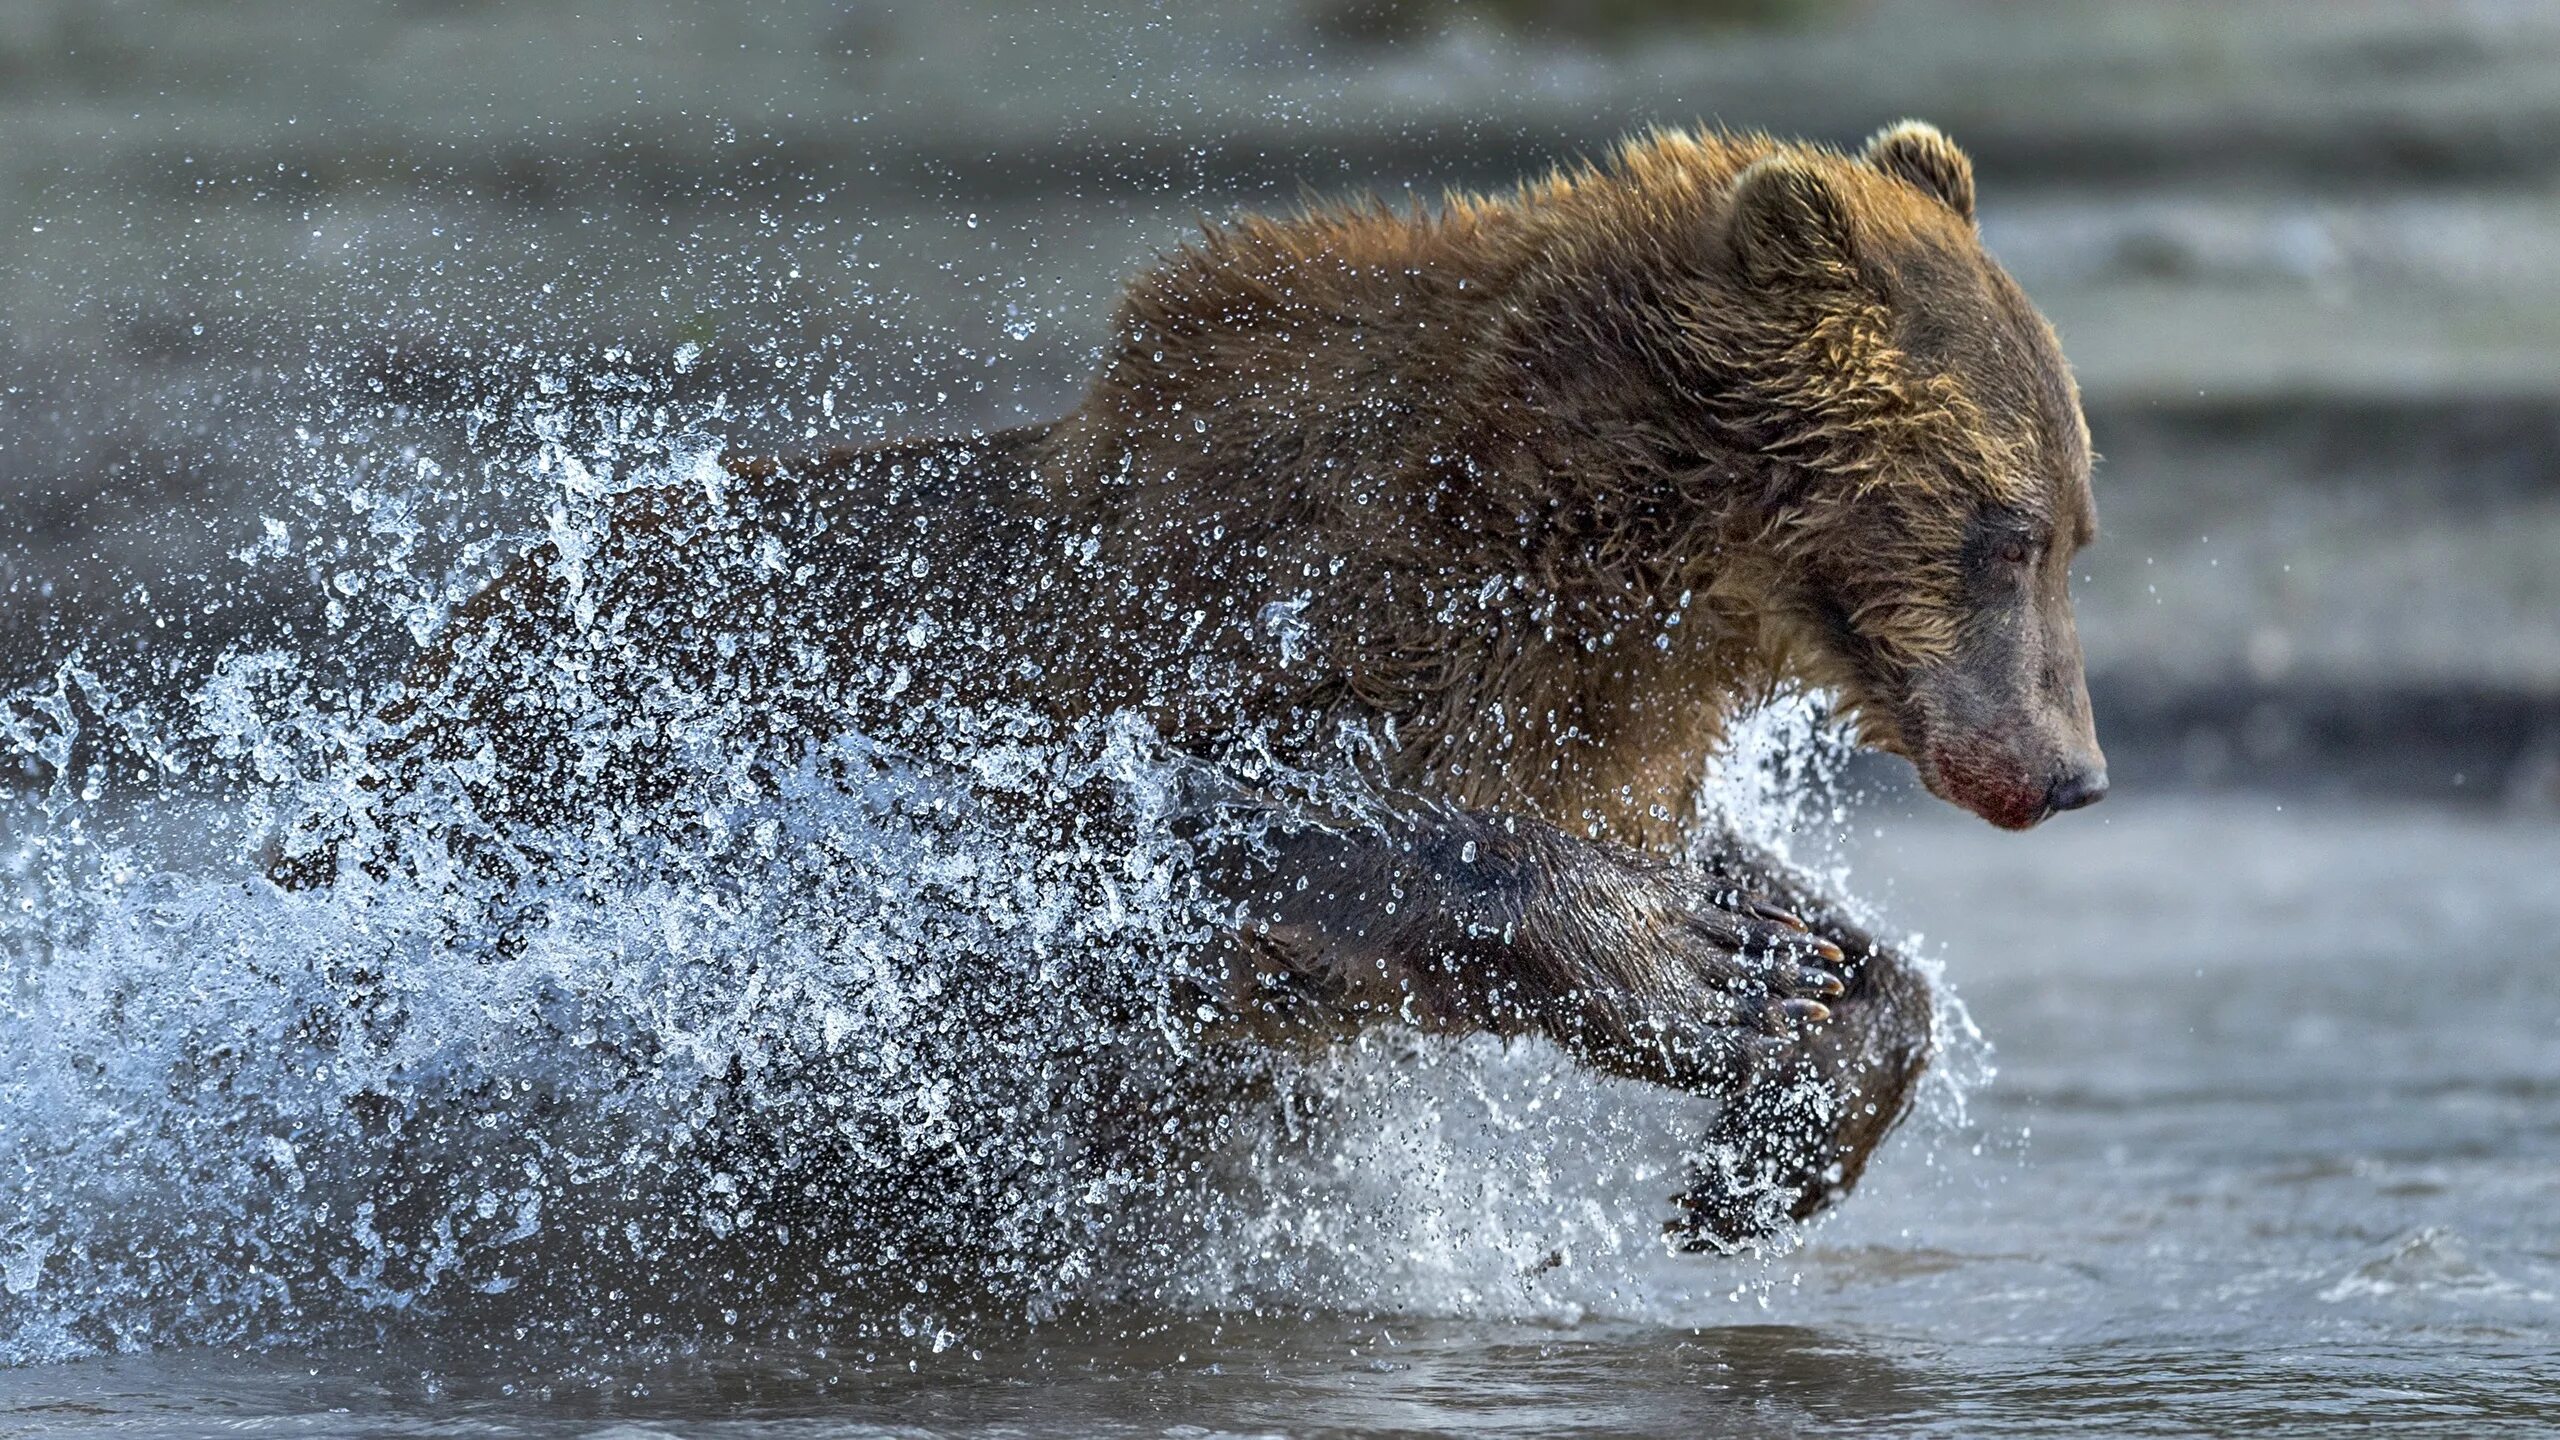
1925	464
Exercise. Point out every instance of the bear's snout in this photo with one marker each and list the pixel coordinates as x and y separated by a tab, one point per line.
2003	727
2077	789
2007	789
1987	782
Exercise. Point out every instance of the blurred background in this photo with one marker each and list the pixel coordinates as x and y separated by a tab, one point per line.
2304	256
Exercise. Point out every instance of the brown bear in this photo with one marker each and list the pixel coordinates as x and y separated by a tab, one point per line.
1513	502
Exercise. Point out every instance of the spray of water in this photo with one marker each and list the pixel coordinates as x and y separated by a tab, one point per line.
866	1043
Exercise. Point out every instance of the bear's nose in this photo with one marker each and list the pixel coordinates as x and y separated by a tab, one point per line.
2077	789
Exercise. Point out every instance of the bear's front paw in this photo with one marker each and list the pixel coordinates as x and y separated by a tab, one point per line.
1732	1208
1765	967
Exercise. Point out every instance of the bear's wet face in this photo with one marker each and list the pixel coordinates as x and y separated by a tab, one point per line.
1930	566
1997	720
2002	725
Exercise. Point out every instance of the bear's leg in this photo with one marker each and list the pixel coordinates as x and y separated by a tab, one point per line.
1799	1137
1455	922
1737	980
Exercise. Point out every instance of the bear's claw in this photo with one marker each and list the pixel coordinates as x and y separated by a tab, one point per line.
1796	1010
1766	970
1767	911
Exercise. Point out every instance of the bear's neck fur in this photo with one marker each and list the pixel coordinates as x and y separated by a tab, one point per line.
1361	415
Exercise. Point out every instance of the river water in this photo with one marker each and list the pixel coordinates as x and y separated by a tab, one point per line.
2262	1138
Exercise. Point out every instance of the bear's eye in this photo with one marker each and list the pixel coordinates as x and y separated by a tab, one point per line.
2017	550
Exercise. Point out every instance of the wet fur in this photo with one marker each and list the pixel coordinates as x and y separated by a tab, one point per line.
1535	491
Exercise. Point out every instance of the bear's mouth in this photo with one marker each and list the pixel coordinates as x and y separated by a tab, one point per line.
1958	767
1968	771
1986	782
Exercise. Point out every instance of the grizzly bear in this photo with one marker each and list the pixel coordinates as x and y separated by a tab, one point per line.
1505	507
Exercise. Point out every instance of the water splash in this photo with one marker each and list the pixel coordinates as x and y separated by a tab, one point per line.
870	1046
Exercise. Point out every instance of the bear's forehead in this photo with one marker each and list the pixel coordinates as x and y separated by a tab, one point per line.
1960	317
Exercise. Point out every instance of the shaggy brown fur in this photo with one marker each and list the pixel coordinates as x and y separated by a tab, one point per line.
1533	492
1566	476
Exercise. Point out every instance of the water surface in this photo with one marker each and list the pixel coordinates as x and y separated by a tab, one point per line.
2272	1146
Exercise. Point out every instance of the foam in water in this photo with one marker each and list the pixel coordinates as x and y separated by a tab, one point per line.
869	1047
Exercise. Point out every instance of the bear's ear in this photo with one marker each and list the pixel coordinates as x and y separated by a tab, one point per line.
1916	154
1789	223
